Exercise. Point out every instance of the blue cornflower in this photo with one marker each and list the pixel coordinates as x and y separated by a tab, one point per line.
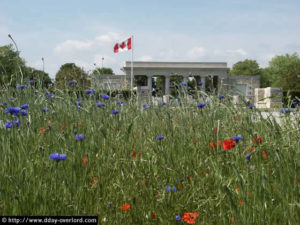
30	82
200	83
163	103
282	111
109	204
10	124
49	95
178	217
22	86
4	103
105	96
168	189
293	103
288	110
250	106
174	188
237	138
201	105
248	156
45	109
159	137
100	104
120	95
71	82
57	157
171	86
221	96
142	91
183	84
25	106
13	110
24	112
90	92
115	111
79	137
120	102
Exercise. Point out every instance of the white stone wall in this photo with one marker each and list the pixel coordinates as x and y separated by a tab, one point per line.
270	97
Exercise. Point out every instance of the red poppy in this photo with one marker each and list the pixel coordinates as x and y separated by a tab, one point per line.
237	187
190	217
93	180
212	145
257	140
140	155
246	151
264	155
84	160
133	154
219	143
153	214
228	144
125	207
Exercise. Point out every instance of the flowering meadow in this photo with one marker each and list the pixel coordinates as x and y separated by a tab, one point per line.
130	162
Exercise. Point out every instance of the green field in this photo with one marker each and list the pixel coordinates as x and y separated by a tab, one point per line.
121	161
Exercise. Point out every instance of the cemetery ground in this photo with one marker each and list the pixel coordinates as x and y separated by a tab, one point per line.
129	163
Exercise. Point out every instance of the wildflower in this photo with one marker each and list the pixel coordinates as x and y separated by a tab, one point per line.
100	104
57	157
94	180
120	95
22	86
237	187
109	204
133	154
287	111
174	189
212	145
4	103
159	137
221	97
178	217
200	83
125	207
190	217
13	110
105	96
264	155
163	103
24	112
90	92
25	106
30	82
250	106
257	139
219	143
71	82
45	109
171	86
142	91
153	214
294	102
237	138
201	105
168	189
115	112
84	160
228	144
11	124
248	157
183	84
49	95
79	137
120	102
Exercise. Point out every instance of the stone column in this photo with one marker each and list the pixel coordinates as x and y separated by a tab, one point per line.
203	83
167	84
149	84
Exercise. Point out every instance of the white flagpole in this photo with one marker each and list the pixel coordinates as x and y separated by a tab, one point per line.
131	66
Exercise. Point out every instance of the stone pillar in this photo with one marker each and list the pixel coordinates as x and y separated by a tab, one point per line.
203	83
167	84
149	84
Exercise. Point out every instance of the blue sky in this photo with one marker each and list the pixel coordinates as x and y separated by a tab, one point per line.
83	32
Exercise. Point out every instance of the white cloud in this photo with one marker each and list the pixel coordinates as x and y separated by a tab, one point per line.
196	52
73	45
237	51
145	58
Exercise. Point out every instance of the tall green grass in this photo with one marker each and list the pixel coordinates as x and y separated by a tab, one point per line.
220	185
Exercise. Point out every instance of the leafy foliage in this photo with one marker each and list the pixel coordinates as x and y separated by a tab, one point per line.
70	72
246	67
103	71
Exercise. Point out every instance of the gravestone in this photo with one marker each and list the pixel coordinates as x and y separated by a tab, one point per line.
270	97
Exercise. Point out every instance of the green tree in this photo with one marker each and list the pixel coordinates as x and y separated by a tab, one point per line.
283	71
71	72
246	67
11	66
101	71
39	77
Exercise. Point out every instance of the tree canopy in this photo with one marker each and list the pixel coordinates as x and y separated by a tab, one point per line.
101	71
69	75
246	67
13	69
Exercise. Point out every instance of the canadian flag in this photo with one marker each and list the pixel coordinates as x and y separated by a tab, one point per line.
123	46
